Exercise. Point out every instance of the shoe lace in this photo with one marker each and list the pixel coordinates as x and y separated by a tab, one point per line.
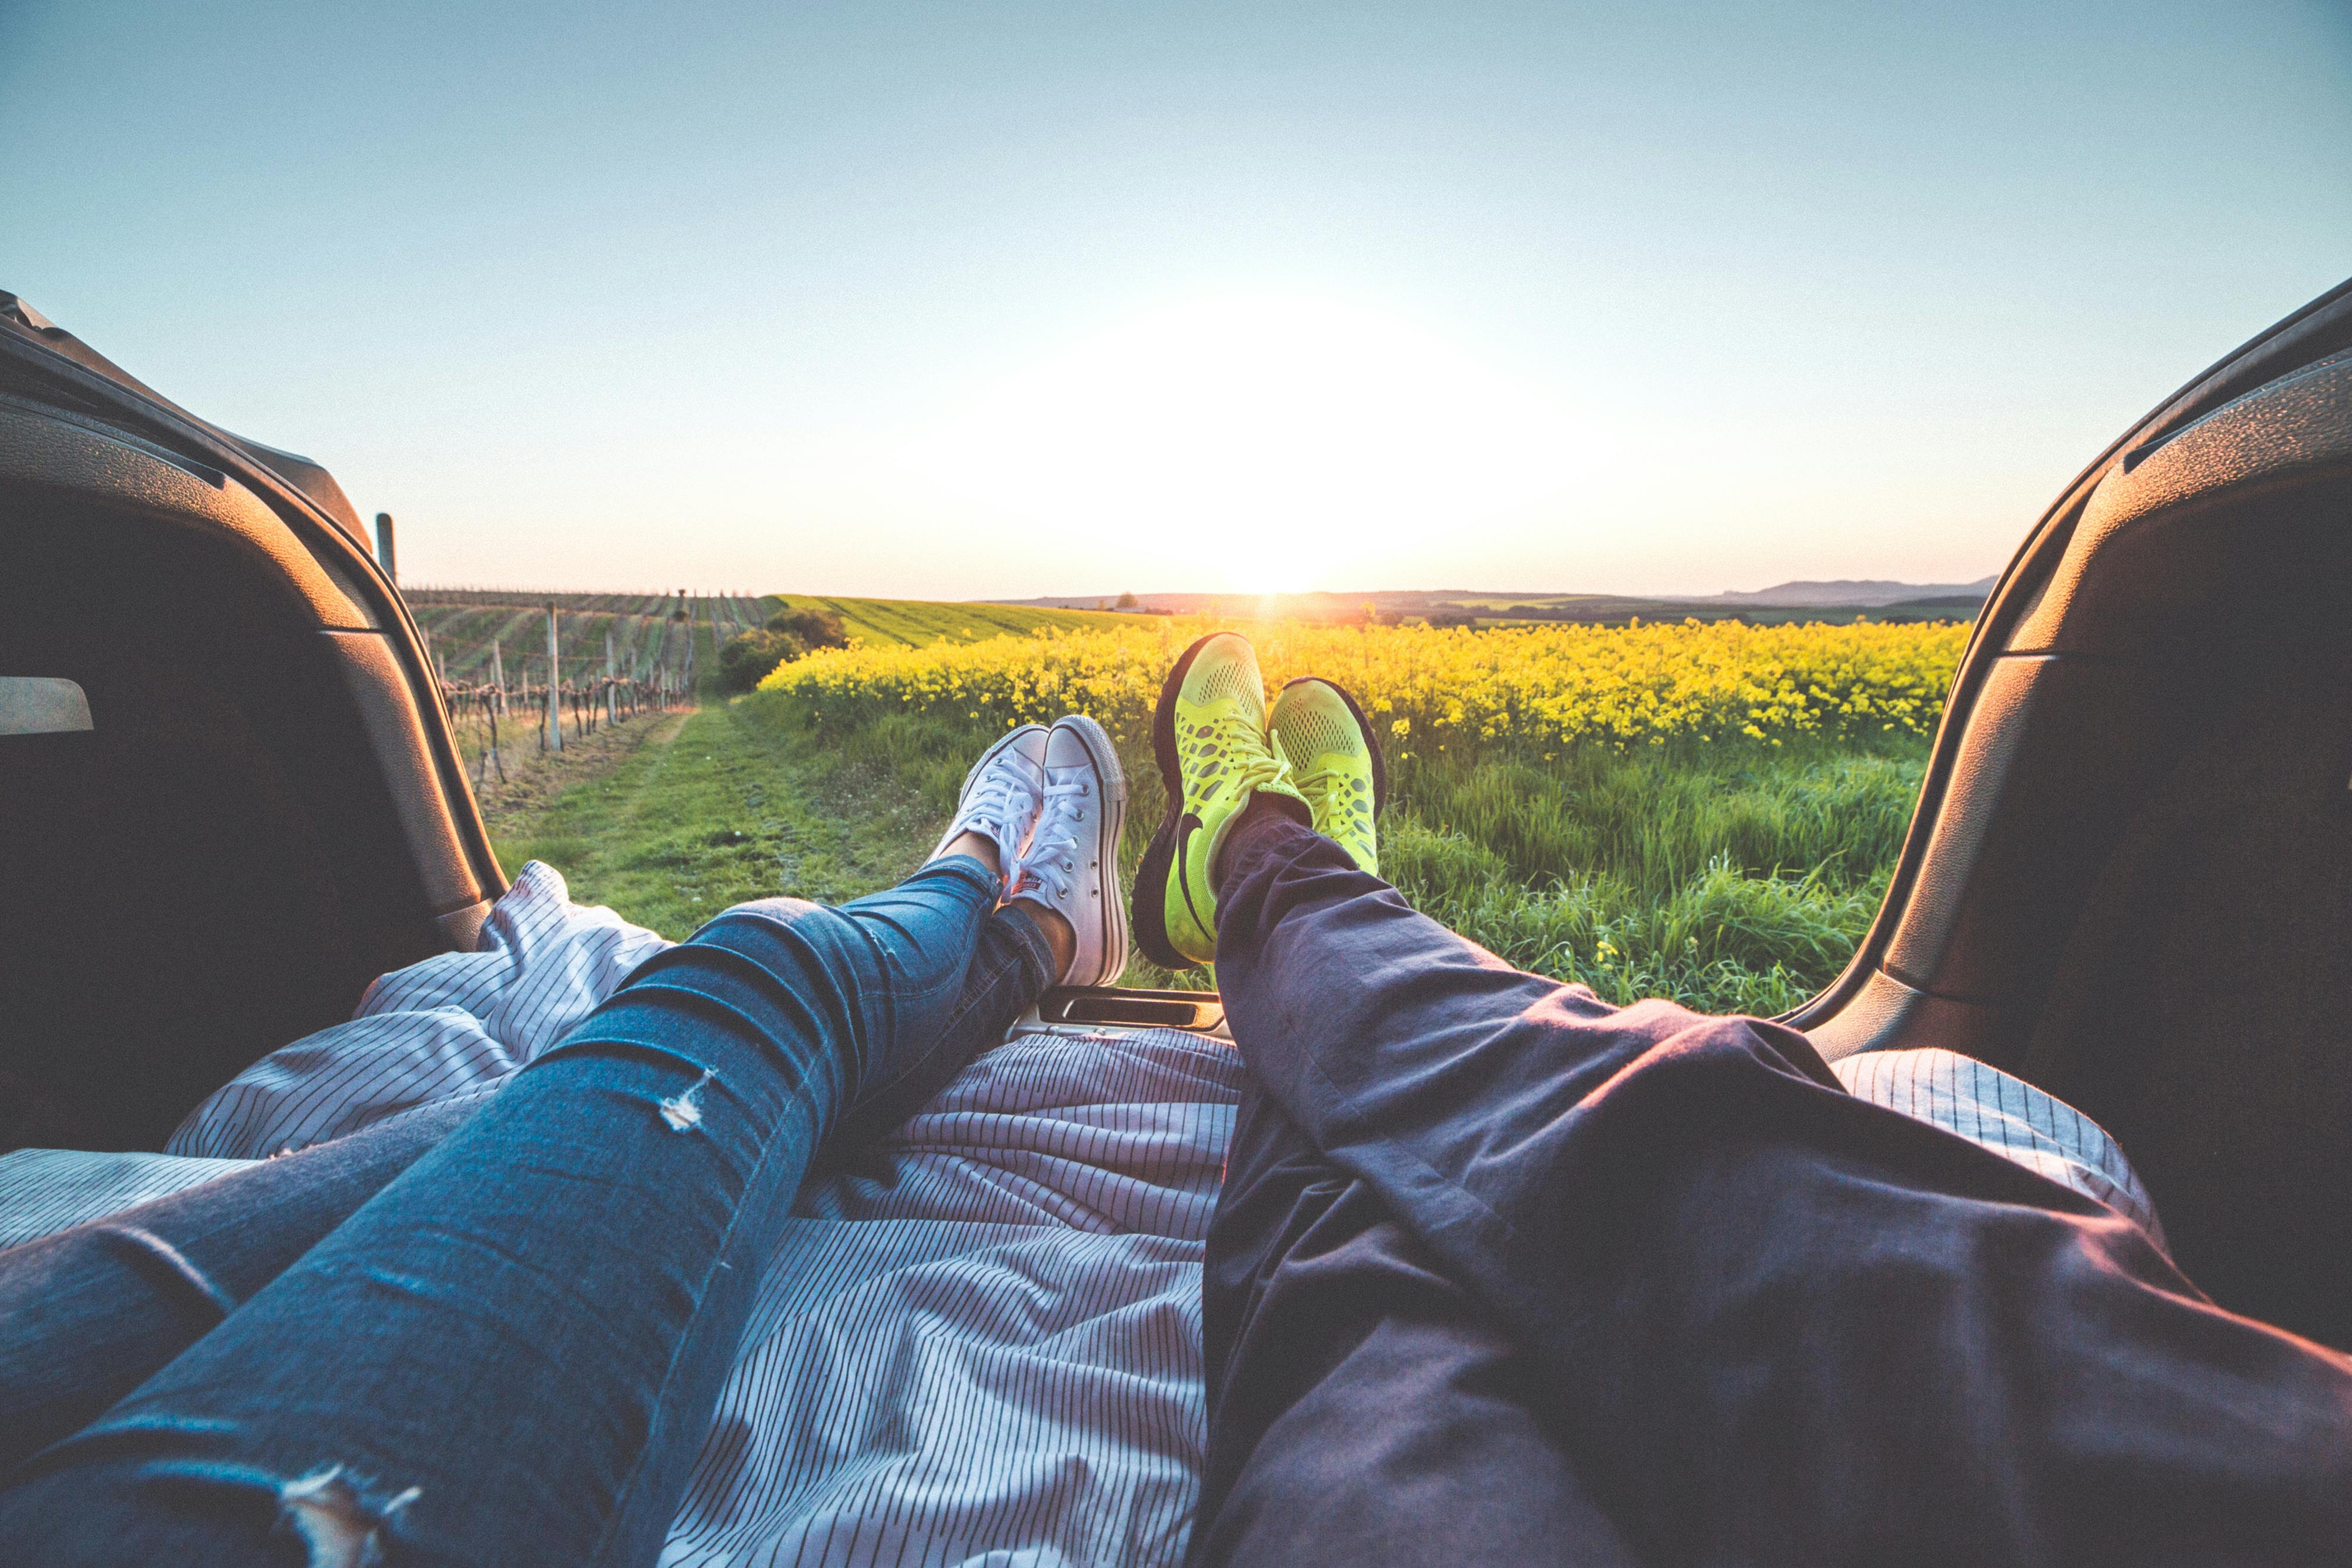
1253	760
1322	786
1002	803
1054	848
1322	783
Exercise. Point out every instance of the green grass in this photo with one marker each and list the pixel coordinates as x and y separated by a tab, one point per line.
720	811
1658	819
1735	878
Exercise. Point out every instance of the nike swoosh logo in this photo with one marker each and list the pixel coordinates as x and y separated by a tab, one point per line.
1186	828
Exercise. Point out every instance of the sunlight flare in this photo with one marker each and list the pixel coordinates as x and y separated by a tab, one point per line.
1276	437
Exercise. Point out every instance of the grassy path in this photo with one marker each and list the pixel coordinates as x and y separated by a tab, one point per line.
712	808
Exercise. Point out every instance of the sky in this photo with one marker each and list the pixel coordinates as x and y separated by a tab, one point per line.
947	300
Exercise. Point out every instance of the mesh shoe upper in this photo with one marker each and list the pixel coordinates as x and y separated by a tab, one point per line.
1333	761
1216	718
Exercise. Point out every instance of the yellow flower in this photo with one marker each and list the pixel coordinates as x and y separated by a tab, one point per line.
1537	687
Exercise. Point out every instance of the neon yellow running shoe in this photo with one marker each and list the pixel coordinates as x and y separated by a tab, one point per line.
1335	760
1209	736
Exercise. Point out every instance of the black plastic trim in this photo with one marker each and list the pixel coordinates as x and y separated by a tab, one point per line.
183	438
2316	331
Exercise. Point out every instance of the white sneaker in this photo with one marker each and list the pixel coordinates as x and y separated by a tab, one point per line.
1071	866
1002	796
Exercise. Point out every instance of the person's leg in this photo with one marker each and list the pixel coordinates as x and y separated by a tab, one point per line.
508	1354
1041	933
1363	1408
1765	1321
1769	1321
1021	950
92	1312
1063	925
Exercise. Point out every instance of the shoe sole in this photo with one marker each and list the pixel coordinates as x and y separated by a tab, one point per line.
1105	756
1150	924
1372	741
971	773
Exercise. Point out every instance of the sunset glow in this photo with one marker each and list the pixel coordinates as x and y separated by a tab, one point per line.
1259	427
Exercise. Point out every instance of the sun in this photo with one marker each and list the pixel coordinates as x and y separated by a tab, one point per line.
1254	444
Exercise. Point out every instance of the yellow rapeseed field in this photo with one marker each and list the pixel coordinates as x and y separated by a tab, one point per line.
1432	689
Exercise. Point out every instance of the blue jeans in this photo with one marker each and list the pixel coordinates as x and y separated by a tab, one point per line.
498	1341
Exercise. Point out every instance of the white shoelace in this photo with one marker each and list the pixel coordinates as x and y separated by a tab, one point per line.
1052	862
1001	805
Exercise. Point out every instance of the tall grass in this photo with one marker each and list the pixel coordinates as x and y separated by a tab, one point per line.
1732	876
1658	817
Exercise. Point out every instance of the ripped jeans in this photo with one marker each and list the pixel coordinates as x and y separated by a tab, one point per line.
505	1348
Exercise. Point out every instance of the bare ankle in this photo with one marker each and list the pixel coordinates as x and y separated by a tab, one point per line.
979	847
1061	938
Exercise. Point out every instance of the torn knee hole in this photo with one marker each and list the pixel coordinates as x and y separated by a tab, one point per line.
339	1524
683	1112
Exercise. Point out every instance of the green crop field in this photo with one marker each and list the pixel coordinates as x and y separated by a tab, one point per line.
918	624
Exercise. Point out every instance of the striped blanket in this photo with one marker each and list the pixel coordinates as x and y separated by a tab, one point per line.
981	1343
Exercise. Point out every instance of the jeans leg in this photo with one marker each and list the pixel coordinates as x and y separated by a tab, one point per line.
510	1354
1770	1321
92	1312
1363	1409
1011	967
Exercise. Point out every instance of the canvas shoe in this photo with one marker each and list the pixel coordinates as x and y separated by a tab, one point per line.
1335	760
1208	735
1002	796
1071	866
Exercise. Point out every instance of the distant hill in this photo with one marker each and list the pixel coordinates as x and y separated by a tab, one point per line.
1853	593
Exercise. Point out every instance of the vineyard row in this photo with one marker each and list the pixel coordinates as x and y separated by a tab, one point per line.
615	656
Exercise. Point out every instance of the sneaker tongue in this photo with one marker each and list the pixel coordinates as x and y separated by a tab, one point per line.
1052	860
1056	832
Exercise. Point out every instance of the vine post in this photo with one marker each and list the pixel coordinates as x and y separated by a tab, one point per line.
554	686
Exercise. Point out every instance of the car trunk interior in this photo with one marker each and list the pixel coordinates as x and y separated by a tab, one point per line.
2199	1007
2137	888
2200	1004
214	868
251	828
